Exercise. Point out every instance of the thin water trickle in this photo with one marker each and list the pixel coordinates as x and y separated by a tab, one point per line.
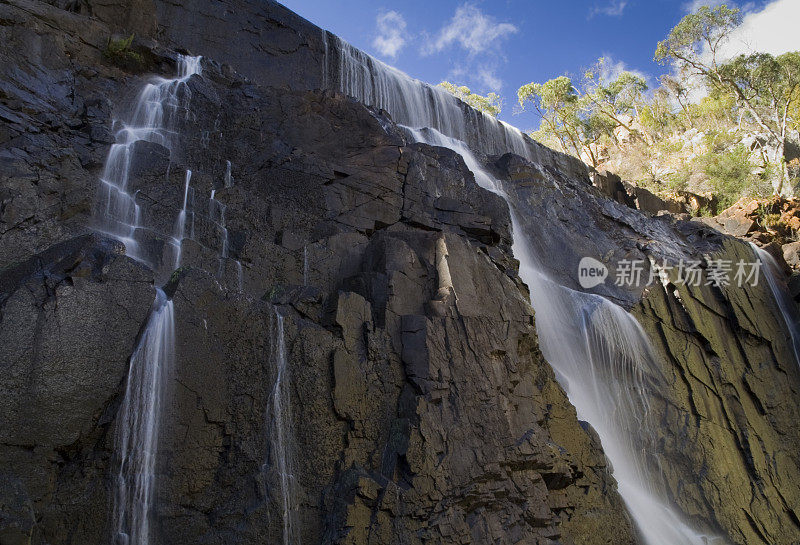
780	291
180	223
279	421
217	213
138	425
228	176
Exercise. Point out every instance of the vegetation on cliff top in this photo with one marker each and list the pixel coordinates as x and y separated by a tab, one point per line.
715	125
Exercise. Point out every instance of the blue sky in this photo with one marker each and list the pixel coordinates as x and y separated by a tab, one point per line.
502	44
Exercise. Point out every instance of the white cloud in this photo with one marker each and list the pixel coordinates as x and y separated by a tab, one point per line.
391	36
770	30
612	68
471	29
488	77
481	78
614	8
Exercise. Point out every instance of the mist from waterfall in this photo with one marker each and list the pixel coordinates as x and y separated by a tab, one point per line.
279	468
138	423
159	103
780	291
605	363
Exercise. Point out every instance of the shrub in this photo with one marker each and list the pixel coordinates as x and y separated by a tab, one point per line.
122	55
729	173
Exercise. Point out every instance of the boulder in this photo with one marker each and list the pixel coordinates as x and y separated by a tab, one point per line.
791	254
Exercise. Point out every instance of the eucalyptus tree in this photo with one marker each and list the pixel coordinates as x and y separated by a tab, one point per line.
578	117
764	87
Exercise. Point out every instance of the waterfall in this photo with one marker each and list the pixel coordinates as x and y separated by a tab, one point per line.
152	120
228	176
416	104
279	420
180	223
216	214
138	424
606	364
791	316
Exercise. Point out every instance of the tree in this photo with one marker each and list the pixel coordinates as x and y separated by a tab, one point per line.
556	103
656	116
579	118
676	87
762	85
616	99
490	104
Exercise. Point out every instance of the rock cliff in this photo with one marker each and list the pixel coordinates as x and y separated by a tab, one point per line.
422	409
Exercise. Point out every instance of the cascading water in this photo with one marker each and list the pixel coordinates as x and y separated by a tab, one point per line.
416	104
216	213
152	120
783	299
228	176
138	425
117	214
606	364
279	420
180	223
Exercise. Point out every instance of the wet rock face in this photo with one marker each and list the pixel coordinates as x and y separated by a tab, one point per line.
724	419
727	413
422	408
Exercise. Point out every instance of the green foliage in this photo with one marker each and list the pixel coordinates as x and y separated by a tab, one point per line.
720	141
706	28
657	116
706	211
121	54
490	104
581	117
751	96
731	177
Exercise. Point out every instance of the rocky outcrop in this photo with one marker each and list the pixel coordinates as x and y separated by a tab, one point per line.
634	196
63	362
728	413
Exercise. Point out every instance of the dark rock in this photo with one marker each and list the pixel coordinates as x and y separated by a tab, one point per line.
611	186
63	364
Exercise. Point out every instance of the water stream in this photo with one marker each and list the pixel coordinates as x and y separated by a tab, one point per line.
600	353
780	291
118	215
152	120
279	421
138	425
